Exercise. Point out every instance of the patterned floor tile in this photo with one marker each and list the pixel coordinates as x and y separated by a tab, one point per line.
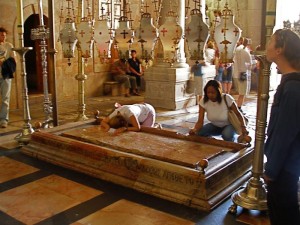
11	169
41	199
128	213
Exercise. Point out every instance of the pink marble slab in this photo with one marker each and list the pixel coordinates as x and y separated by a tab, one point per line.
149	145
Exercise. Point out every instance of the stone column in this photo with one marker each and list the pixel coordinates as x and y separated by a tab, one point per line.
254	25
270	19
166	86
181	21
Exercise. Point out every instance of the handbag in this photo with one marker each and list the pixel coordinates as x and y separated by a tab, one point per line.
234	120
243	76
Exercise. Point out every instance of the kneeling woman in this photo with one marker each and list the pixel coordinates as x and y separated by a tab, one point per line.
130	118
213	104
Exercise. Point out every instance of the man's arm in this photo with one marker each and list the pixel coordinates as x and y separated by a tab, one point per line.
283	134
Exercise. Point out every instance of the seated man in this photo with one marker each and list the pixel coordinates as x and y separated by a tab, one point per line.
118	72
135	69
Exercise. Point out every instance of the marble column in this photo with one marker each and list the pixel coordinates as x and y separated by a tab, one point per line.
254	11
270	19
166	86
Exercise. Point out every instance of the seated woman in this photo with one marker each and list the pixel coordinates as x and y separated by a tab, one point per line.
214	105
129	118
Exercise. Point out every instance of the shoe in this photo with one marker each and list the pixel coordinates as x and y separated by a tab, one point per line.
240	109
3	124
136	94
127	95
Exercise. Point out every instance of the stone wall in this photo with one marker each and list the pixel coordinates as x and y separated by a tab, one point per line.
97	71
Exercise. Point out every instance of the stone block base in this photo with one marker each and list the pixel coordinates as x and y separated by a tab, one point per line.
194	171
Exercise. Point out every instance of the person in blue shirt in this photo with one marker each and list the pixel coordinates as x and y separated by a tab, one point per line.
198	79
282	148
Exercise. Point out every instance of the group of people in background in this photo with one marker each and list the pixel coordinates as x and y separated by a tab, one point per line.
128	72
236	73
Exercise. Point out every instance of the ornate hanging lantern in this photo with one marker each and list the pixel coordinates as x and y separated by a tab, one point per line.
85	37
103	38
67	36
196	34
146	34
170	33
124	35
103	34
227	35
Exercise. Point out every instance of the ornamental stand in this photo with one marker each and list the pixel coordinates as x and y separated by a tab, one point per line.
42	33
52	62
24	137
254	195
81	77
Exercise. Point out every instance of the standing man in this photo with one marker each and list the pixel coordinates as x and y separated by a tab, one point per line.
135	68
235	76
7	68
282	148
242	71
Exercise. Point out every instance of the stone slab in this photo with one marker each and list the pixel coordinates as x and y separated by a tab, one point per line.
157	162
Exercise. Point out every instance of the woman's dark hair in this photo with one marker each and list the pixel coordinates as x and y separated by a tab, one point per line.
217	86
3	30
289	41
117	121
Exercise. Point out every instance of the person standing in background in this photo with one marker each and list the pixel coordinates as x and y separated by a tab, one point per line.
242	69
227	78
235	75
282	148
210	53
198	79
7	69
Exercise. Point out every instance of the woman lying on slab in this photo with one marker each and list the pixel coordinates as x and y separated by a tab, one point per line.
129	118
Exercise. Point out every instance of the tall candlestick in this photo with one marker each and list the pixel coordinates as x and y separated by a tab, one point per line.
24	137
41	13
20	21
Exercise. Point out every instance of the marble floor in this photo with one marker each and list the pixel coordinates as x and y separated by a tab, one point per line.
36	192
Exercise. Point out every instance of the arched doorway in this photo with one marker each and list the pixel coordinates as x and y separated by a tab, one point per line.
33	58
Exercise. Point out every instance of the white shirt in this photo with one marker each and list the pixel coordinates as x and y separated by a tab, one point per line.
217	113
210	55
140	111
242	61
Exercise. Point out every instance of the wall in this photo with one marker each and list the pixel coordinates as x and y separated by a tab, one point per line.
98	72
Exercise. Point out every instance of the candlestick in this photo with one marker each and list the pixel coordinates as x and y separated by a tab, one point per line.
41	12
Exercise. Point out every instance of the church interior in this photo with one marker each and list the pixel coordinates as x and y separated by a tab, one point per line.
59	167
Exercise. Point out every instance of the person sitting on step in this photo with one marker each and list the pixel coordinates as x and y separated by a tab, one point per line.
119	74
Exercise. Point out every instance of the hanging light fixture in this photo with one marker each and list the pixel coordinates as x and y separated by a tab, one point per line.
102	32
67	36
170	33
85	34
227	35
123	34
196	33
146	35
